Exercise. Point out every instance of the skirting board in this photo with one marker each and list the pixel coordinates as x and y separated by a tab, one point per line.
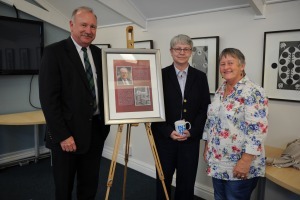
16	156
201	190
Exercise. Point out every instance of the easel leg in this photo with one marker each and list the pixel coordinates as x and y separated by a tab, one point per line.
156	158
115	154
126	158
113	160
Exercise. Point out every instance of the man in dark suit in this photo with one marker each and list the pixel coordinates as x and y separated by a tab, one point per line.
186	97
72	102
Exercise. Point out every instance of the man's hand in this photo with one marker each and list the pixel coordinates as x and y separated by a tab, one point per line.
68	144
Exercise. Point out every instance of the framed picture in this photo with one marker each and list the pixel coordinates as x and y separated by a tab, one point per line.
102	46
146	44
281	60
132	85
205	58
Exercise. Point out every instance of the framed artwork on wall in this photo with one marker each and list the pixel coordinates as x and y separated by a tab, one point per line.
101	46
146	44
281	65
205	58
132	85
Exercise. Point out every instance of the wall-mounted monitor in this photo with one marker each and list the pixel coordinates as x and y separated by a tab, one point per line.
21	46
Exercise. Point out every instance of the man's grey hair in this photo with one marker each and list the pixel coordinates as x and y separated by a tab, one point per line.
82	8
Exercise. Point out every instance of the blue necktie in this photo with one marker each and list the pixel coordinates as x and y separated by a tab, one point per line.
90	77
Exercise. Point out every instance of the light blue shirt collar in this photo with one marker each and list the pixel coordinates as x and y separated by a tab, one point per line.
185	70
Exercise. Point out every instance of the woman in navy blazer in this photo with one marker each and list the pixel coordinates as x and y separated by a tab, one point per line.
76	131
181	152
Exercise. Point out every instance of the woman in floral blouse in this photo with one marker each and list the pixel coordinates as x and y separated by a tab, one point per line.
235	130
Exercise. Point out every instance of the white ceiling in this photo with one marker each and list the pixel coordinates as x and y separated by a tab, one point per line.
139	12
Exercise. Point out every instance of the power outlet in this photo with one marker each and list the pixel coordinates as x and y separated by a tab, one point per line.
130	149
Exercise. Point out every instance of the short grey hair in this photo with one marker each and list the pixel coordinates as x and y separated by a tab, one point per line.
181	39
82	8
236	53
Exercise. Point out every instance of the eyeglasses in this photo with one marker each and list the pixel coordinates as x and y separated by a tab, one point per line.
178	50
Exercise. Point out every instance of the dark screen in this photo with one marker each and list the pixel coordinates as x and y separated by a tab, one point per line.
21	45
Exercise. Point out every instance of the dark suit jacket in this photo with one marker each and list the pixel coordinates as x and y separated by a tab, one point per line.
65	96
192	109
120	81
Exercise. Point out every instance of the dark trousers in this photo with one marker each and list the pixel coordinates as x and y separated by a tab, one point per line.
182	157
85	167
234	190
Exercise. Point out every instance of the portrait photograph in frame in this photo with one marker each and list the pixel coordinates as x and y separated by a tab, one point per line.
281	65
102	46
204	57
141	100
146	44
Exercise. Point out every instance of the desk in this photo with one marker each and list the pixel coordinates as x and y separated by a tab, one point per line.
288	178
26	118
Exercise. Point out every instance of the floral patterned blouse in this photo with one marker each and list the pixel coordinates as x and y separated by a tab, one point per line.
234	125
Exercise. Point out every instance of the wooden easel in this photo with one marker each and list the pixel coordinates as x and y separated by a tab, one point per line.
130	37
130	44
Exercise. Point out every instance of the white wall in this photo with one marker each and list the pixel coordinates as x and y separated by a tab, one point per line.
236	28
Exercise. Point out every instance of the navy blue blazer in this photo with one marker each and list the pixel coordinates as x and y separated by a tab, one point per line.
193	108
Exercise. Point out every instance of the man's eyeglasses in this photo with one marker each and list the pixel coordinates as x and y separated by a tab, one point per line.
178	50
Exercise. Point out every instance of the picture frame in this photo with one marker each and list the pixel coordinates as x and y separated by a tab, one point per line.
205	58
102	46
281	65
140	101
145	44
